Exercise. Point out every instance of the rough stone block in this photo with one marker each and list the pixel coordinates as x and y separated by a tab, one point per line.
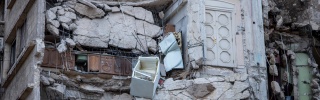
200	90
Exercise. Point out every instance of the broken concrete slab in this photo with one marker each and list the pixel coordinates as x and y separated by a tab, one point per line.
44	80
238	86
170	84
63	19
50	15
123	96
147	29
273	70
200	90
149	17
70	15
275	87
127	10
89	11
59	89
87	3
62	46
65	26
221	88
52	29
61	12
115	9
106	8
90	88
70	42
139	13
55	23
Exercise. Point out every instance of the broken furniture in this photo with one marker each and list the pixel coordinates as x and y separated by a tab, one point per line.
169	47
145	77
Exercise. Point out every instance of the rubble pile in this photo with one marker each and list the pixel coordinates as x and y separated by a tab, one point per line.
96	24
289	28
66	86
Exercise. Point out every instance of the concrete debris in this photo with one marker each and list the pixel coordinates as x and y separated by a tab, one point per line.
106	8
314	84
89	11
279	22
200	90
312	64
50	15
243	95
62	46
55	23
216	79
272	60
314	25
123	96
65	26
147	29
70	42
72	26
149	17
70	15
275	87
281	45
273	70
139	13
238	86
44	80
63	19
127	10
221	88
51	80
93	89
241	76
87	3
53	30
115	9
59	89
61	12
170	84
161	15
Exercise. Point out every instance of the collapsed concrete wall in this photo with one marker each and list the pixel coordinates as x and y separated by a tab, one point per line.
105	24
98	25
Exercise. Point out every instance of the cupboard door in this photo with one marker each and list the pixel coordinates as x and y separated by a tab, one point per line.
94	63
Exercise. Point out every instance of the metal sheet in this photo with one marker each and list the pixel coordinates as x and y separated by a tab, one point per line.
304	75
94	63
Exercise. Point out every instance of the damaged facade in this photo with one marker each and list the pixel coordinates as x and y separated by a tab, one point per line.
179	49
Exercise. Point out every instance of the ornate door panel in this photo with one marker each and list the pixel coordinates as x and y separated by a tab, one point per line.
219	41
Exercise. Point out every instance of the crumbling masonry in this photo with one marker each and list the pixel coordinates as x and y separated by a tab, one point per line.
231	49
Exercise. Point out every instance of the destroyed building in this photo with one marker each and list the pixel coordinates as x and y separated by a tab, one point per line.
159	49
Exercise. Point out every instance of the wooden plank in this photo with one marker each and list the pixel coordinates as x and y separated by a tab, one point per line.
94	62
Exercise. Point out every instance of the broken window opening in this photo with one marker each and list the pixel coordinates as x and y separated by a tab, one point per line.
81	62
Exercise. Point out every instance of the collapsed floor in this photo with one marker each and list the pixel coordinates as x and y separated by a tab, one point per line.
107	31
